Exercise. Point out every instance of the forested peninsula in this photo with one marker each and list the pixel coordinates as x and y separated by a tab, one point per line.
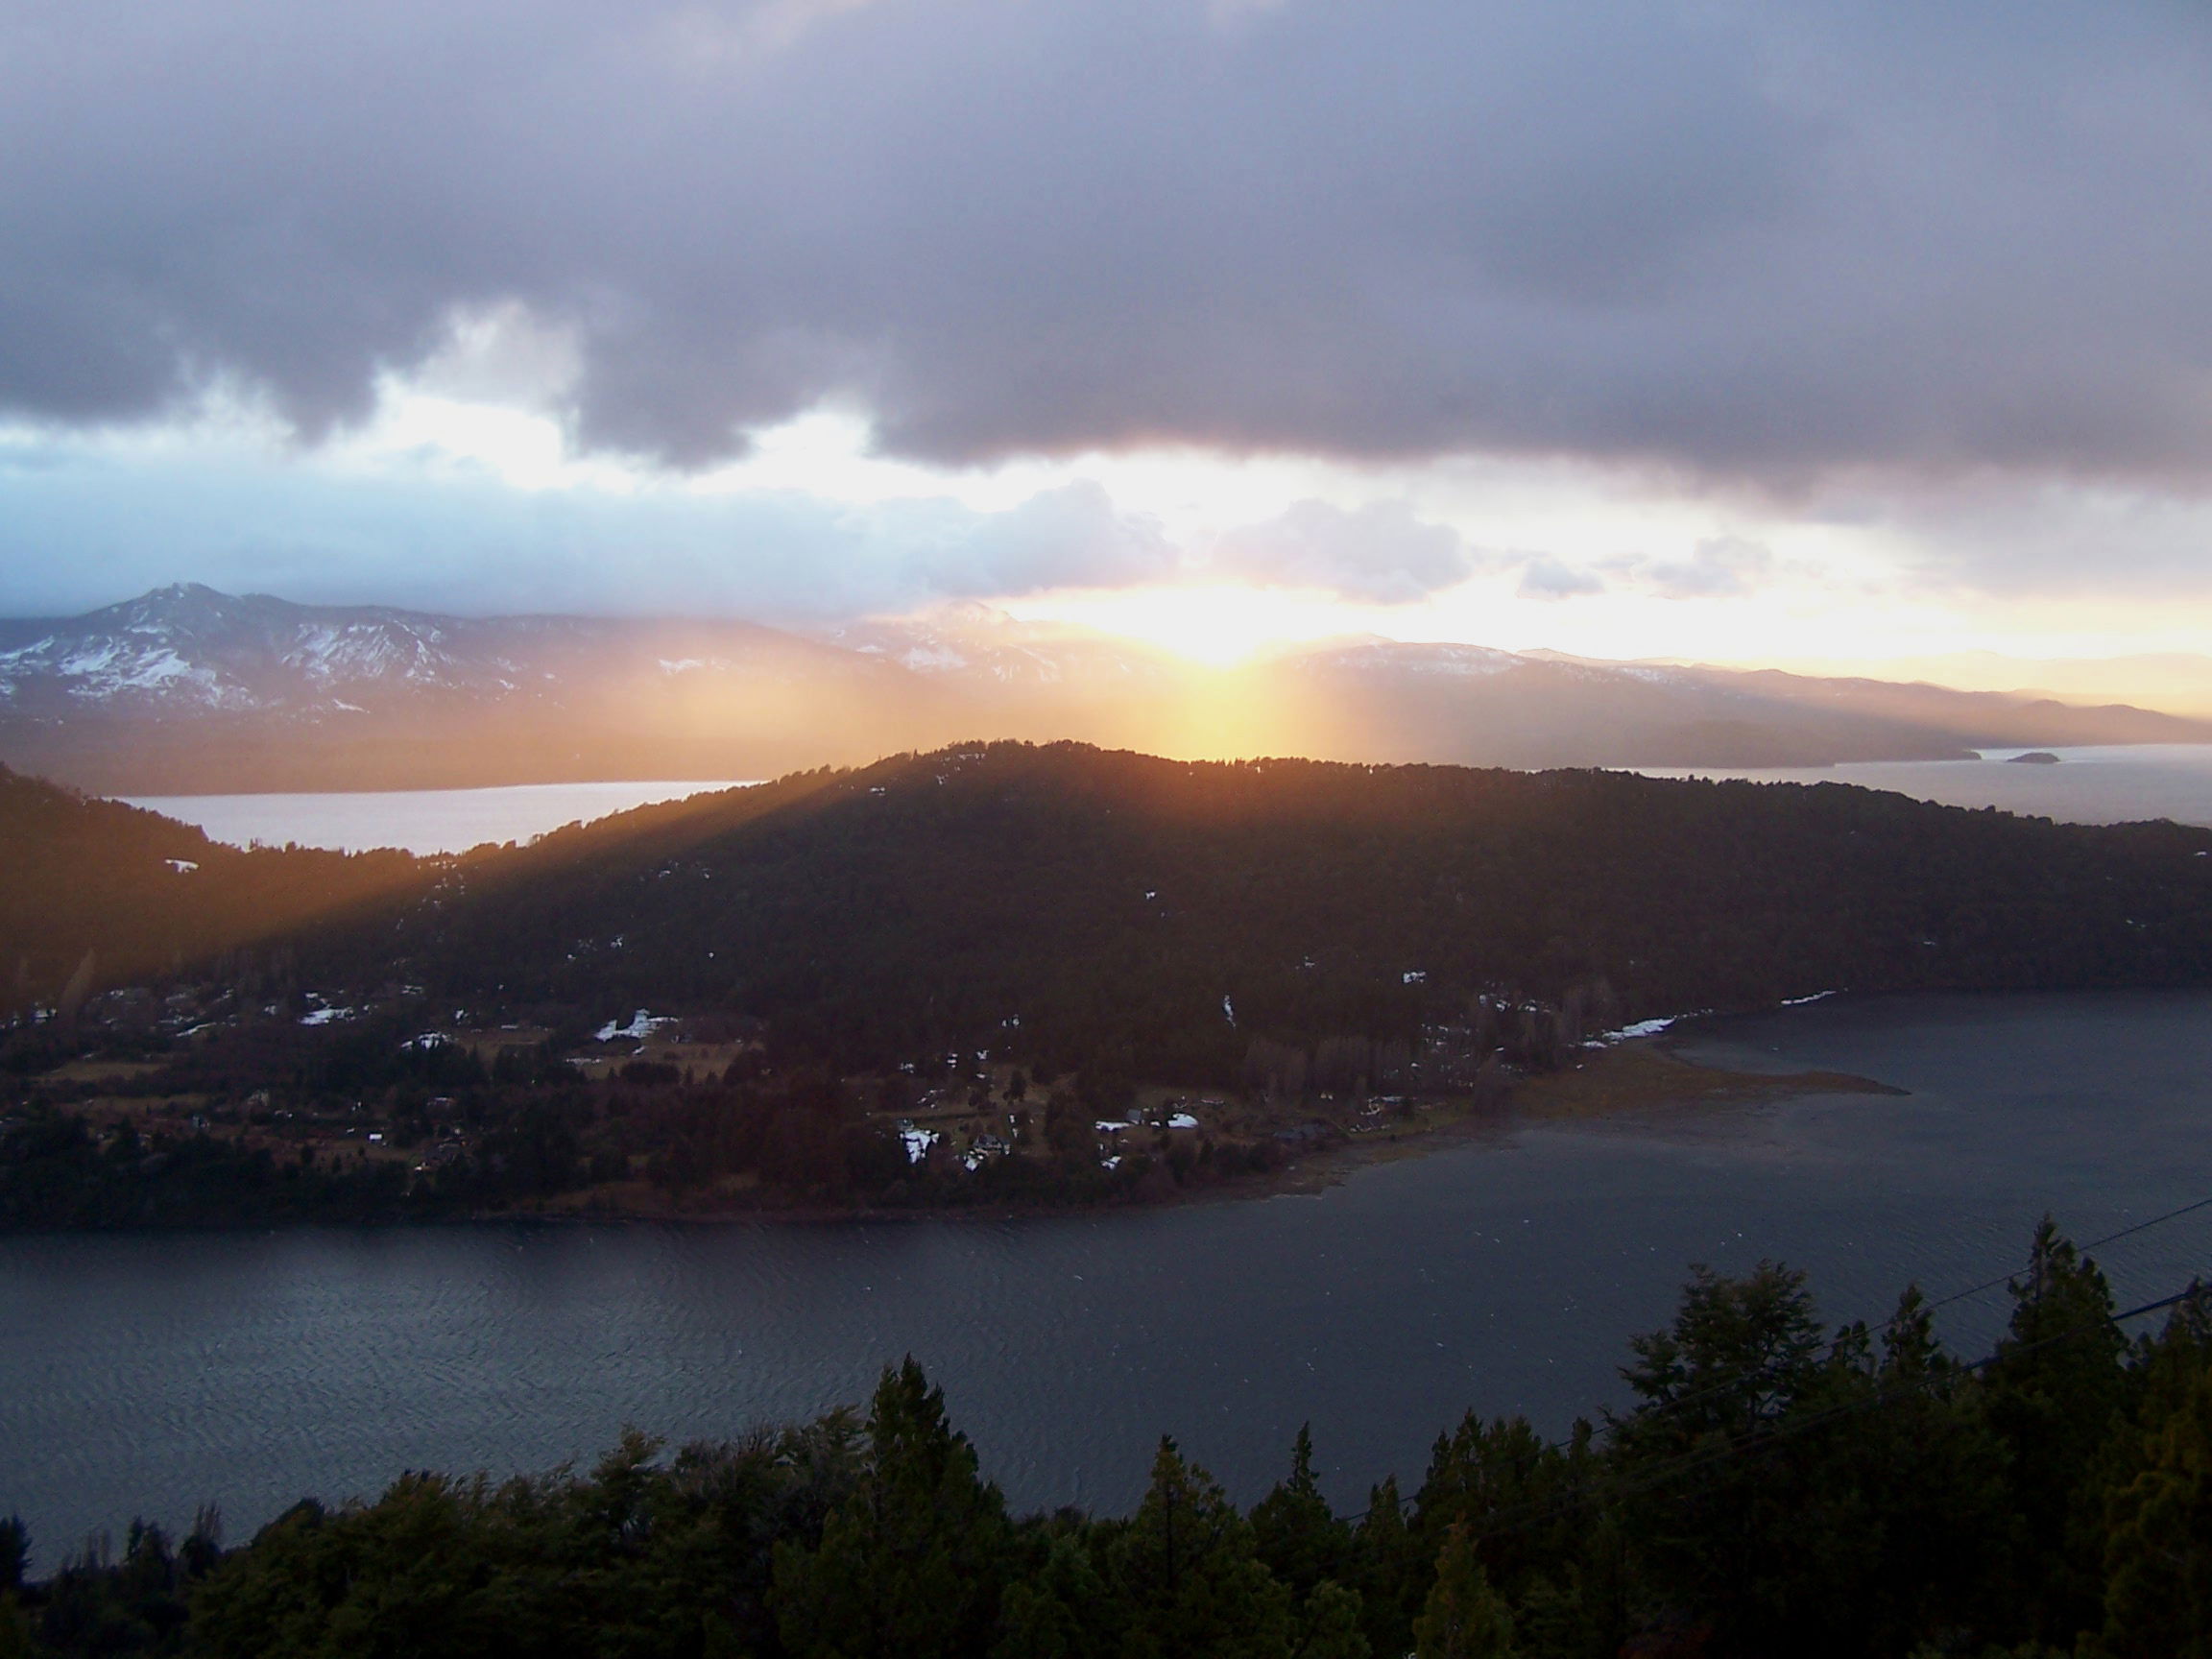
998	976
1777	1487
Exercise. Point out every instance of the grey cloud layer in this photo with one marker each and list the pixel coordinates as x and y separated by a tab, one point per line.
1755	242
1718	568
474	546
469	543
1721	568
1378	552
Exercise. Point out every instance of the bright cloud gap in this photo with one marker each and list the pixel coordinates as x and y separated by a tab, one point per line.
441	499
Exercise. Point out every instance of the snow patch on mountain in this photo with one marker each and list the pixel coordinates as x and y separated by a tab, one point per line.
1384	657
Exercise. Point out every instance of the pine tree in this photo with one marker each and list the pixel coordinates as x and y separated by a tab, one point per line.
1724	1500
2158	1546
1329	1624
910	1565
1388	1570
1188	1575
1297	1535
2056	1392
1465	1618
1486	1470
1059	1612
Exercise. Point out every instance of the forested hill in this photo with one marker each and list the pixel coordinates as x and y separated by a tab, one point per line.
1088	907
1092	909
98	894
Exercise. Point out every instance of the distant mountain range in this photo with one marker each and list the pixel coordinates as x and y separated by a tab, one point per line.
2178	682
186	689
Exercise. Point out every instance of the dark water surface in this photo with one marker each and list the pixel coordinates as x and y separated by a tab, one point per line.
147	1372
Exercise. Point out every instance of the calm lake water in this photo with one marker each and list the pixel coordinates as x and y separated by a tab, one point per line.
2118	784
2088	786
419	821
149	1373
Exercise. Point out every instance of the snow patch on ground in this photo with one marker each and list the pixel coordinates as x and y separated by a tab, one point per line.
927	659
643	1024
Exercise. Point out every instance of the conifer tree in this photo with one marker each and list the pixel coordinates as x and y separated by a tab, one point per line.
910	1565
1063	1611
1465	1618
1296	1533
2056	1392
1187	1576
1388	1570
1487	1470
2158	1546
1329	1624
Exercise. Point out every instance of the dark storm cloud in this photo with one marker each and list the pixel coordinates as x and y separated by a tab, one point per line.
1758	243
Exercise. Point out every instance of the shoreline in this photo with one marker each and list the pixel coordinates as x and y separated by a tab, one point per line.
1639	1075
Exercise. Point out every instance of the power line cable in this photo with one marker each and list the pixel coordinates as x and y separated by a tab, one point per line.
2093	1244
1734	1384
1759	1441
1927	1306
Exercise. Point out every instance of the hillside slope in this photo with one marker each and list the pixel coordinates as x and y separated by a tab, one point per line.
1104	908
95	893
1090	909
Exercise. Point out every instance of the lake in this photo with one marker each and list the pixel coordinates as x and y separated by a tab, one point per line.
2088	786
142	1373
2116	784
421	821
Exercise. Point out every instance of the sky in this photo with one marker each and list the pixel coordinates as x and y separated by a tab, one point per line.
1787	332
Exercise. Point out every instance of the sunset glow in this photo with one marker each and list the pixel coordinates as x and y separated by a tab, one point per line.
1214	623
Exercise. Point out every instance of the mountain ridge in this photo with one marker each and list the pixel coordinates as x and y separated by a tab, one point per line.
186	689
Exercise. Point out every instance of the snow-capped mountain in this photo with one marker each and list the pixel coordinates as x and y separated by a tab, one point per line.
188	688
188	648
1388	658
